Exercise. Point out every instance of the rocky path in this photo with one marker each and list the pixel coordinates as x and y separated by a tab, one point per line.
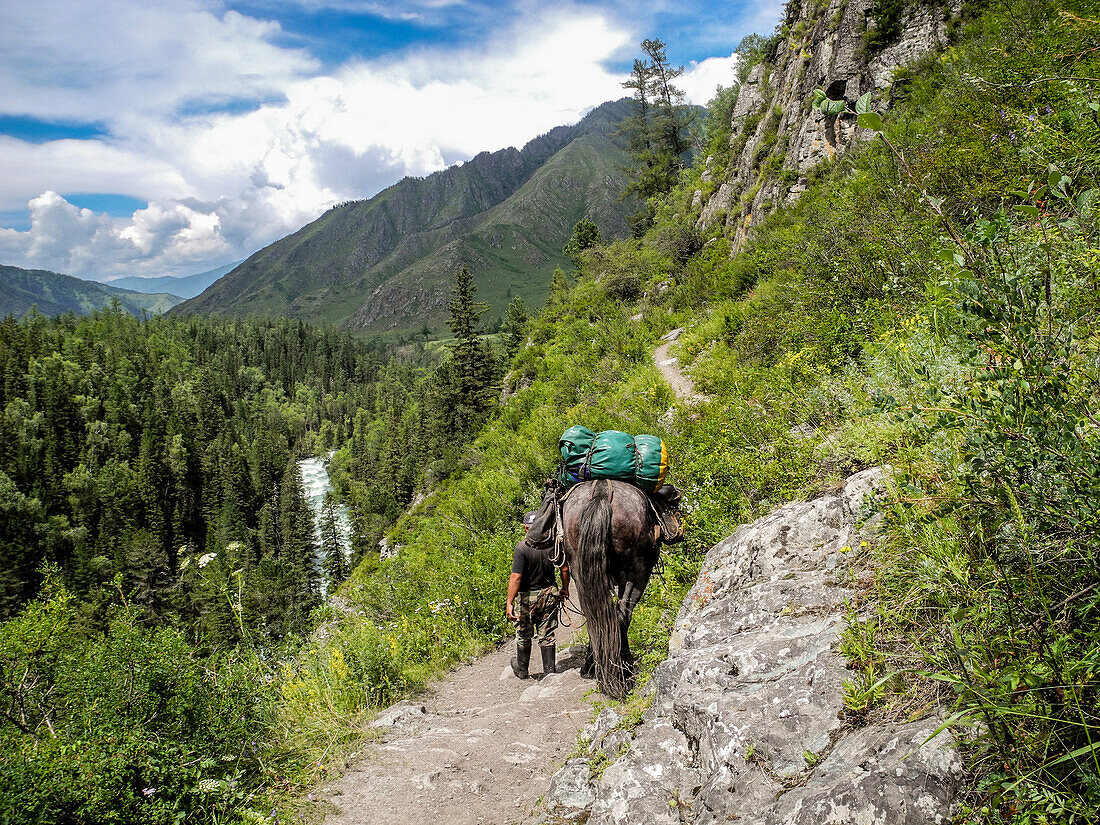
669	365
478	748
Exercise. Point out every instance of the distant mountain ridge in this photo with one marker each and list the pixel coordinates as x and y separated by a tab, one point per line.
186	286
388	263
53	293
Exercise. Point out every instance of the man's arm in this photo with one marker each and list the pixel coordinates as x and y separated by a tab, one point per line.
564	582
513	589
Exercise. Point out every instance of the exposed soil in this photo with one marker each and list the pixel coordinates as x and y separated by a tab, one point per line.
479	747
669	365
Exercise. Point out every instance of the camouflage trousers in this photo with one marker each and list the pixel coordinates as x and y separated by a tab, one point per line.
536	610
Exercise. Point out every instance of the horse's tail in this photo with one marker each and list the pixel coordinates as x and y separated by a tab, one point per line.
594	542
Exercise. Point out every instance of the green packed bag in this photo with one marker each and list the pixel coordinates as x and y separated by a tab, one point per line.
651	463
574	445
612	456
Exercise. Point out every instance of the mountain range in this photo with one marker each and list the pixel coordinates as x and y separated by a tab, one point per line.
388	263
52	293
187	286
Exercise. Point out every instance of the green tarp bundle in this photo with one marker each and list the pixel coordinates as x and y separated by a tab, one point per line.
585	455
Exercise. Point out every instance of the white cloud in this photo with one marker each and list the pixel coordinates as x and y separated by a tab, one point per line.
83	166
69	239
700	80
116	61
220	186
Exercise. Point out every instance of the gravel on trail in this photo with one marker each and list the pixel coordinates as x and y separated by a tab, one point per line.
478	748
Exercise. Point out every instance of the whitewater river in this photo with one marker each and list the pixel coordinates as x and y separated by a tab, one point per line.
316	482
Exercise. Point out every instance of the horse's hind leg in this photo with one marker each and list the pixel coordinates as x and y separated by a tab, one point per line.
588	665
630	593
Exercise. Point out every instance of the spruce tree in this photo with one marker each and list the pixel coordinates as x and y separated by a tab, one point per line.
298	542
514	328
335	563
473	368
585	236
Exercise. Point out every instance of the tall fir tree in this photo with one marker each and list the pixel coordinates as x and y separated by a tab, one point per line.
514	327
585	236
332	551
657	133
473	363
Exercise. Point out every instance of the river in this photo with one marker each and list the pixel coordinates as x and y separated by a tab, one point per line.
316	483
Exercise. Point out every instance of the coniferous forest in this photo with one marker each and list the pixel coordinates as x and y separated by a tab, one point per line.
151	499
928	301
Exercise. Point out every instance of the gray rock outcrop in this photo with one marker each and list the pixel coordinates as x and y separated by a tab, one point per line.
747	719
777	136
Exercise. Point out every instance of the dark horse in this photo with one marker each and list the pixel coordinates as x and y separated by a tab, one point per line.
612	539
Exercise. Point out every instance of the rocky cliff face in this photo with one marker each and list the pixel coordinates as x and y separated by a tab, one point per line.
777	136
747	721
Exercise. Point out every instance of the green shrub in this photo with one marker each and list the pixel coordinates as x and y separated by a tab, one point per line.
125	726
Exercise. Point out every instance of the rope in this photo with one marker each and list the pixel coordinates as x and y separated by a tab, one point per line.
564	610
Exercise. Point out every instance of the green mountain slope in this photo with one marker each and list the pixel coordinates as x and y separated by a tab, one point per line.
387	263
53	293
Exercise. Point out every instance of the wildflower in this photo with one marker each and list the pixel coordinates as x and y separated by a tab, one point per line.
1031	118
147	792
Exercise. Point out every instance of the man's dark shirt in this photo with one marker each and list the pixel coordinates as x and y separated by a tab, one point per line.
536	571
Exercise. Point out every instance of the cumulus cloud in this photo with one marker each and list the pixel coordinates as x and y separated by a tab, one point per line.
222	181
700	80
227	183
66	238
129	59
84	166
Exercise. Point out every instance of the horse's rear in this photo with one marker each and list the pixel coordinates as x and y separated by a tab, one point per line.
611	543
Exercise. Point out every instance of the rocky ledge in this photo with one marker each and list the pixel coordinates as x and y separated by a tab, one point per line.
747	720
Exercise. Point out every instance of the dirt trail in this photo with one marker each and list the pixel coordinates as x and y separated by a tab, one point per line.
669	365
480	746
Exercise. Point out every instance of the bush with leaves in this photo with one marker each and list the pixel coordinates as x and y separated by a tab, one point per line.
128	726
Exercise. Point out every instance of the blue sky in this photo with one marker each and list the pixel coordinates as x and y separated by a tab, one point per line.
171	137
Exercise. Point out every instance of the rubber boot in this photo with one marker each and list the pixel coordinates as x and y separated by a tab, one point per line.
521	661
549	660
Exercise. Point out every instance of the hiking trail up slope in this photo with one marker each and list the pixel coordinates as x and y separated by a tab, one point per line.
480	746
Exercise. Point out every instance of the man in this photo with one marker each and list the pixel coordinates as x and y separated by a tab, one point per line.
533	599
